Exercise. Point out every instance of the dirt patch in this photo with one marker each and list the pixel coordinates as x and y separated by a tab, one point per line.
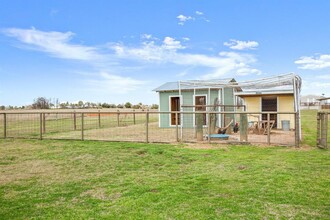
101	194
26	170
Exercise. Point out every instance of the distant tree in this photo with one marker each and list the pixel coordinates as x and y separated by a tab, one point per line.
113	106
128	105
2	107
105	105
80	104
120	106
154	106
136	106
41	103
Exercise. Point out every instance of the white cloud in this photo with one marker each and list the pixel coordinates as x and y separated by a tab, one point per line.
314	62
114	84
241	45
146	36
183	19
55	43
149	51
122	59
171	52
58	45
199	16
186	38
172	44
315	87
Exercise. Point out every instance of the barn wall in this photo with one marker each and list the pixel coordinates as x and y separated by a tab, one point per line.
253	104
285	104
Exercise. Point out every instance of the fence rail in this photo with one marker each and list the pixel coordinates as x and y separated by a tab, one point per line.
149	126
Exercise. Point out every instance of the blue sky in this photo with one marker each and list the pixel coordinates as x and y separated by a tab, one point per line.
118	51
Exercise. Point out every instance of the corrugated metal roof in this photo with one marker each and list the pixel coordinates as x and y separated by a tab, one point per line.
197	84
276	84
276	90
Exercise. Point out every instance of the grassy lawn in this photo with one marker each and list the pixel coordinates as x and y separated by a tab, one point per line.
309	127
94	180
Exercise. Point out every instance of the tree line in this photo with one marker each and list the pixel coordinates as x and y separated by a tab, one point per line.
44	103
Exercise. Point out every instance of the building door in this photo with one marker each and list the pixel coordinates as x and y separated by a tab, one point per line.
269	104
175	106
201	100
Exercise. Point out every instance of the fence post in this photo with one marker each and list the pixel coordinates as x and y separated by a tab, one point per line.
82	126
134	116
99	119
326	120
176	127
324	128
244	127
44	123
147	126
118	118
40	124
199	126
318	131
4	125
209	128
268	128
297	128
74	120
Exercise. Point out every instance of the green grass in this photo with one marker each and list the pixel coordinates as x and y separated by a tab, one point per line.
309	127
105	180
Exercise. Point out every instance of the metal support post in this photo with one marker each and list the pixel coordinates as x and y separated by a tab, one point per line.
176	127
4	125
147	126
82	126
268	128
40	125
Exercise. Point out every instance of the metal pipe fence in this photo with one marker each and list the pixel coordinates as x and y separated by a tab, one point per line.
148	126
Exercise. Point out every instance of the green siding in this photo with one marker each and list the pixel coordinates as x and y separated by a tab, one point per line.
187	99
228	96
228	100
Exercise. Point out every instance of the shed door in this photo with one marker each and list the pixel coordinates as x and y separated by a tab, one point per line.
269	104
175	106
201	100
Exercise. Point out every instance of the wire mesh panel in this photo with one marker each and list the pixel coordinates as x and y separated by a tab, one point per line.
116	126
323	129
309	127
23	125
145	126
276	129
62	125
162	133
193	127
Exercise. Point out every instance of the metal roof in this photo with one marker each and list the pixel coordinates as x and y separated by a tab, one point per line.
195	84
284	82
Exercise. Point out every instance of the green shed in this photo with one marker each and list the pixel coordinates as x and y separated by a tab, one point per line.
185	96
